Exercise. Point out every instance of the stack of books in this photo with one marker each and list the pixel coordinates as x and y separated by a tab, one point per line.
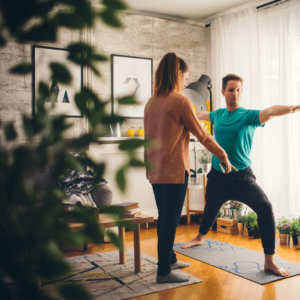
131	210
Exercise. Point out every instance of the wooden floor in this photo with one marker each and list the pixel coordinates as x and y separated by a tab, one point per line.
217	284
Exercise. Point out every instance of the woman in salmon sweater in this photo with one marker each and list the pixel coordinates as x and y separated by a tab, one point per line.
169	119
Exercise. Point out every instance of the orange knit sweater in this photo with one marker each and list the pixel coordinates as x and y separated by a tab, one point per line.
168	121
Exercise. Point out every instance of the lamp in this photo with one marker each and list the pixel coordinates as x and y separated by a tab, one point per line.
197	92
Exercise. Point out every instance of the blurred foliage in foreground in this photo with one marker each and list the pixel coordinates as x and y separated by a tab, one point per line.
32	222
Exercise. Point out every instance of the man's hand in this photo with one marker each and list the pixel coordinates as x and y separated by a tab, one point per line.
228	165
296	108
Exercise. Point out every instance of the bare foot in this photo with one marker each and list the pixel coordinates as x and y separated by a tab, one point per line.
198	240
270	265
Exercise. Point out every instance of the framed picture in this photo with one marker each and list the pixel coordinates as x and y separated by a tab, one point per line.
62	95
131	76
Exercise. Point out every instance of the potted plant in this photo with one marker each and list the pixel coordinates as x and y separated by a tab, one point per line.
284	228
205	160
240	223
131	131
256	233
250	219
141	132
295	226
214	227
193	175
236	208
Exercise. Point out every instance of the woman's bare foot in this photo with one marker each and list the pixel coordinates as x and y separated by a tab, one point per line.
270	265
198	240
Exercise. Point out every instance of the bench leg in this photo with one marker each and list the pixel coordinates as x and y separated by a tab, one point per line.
122	252
137	250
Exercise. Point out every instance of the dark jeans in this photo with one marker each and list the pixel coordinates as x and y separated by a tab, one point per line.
169	200
239	186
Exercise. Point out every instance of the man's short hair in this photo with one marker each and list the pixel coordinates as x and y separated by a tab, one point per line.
230	77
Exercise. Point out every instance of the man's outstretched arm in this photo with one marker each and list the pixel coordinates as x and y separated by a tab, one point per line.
203	116
276	111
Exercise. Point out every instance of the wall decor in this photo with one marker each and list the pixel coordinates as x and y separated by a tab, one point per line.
62	95
131	76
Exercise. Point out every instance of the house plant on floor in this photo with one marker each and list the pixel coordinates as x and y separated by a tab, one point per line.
193	175
205	160
240	223
236	208
284	228
295	227
250	219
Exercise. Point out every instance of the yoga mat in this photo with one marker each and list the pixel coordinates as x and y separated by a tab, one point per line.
237	260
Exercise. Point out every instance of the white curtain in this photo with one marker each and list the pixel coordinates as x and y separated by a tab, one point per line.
264	48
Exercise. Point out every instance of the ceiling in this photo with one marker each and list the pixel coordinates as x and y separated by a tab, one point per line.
197	10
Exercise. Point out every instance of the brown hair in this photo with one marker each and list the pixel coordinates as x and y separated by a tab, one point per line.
230	77
166	75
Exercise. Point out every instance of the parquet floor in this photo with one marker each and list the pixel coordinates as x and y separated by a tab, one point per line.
217	284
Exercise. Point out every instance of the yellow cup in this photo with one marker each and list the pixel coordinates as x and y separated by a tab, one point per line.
130	132
195	107
141	132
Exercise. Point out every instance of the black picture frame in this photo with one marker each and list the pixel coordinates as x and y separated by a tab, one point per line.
141	76
40	61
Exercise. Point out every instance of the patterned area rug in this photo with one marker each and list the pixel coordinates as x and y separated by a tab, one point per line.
237	260
105	278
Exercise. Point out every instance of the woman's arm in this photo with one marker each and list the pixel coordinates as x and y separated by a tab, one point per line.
276	111
203	116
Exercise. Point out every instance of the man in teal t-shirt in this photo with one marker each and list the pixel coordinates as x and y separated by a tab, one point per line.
234	128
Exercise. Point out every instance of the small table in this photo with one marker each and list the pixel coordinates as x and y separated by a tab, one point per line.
107	222
197	187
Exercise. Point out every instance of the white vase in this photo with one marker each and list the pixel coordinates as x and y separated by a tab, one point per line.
206	168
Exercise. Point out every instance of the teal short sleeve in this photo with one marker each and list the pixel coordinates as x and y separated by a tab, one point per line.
253	118
212	116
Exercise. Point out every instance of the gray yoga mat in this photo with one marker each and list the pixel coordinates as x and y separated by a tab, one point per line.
237	260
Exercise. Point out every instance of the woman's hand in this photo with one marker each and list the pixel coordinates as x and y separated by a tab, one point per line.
228	165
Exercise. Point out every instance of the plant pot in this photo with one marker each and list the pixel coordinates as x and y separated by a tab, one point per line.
206	168
240	228
130	132
295	239
245	230
235	214
284	238
194	180
250	232
256	233
141	132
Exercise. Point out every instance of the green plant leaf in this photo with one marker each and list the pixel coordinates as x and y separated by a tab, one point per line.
44	32
136	163
132	144
109	17
74	291
10	132
129	225
60	73
121	179
127	100
115	4
193	171
114	239
21	69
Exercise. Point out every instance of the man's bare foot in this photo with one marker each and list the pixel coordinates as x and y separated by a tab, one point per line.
270	265
198	240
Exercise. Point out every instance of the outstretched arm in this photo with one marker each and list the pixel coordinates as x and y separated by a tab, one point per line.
276	111
203	116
